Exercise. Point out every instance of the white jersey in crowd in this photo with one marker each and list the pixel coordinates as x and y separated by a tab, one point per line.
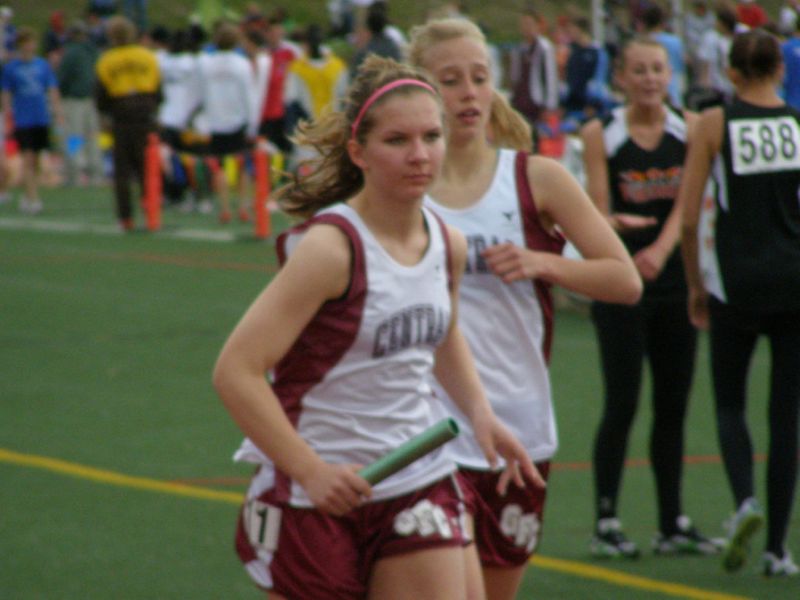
229	92
356	384
181	88
261	65
508	326
713	52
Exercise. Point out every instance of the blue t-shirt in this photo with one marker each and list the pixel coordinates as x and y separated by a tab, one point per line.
674	47
791	78
28	81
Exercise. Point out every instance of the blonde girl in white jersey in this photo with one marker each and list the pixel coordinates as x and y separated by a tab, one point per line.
513	209
325	533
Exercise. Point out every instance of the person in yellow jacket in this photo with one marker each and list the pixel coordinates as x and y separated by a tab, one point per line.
128	94
316	83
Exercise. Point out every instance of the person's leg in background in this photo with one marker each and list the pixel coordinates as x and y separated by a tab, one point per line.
784	406
671	347
733	339
621	340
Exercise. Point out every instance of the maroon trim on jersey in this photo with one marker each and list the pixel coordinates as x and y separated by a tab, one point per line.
241	542
447	249
536	238
326	338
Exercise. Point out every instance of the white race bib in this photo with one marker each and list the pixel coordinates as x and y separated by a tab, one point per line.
764	145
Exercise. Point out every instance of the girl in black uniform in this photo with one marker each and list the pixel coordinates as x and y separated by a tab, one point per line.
634	161
743	273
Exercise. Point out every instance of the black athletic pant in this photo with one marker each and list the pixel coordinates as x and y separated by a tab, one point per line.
130	141
734	334
660	331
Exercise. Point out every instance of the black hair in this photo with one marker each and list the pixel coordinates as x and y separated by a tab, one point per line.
313	37
727	18
653	16
179	41
756	54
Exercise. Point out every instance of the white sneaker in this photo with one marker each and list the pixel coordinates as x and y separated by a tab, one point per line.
609	541
205	207
779	567
741	528
30	207
687	540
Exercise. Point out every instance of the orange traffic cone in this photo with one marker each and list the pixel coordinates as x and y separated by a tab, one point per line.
262	189
151	202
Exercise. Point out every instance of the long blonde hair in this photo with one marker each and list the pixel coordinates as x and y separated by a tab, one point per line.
332	176
507	127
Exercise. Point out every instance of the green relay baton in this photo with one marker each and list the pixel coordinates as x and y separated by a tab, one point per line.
406	453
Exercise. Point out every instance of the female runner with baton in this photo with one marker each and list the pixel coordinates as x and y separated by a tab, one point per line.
354	325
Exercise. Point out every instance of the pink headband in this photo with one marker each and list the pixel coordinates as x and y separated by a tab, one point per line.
380	92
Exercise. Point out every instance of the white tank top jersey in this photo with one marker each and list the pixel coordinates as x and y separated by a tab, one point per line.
508	326
356	383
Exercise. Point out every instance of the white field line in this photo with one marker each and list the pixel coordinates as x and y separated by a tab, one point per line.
30	224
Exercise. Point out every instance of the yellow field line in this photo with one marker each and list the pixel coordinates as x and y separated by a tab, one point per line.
544	562
625	580
113	478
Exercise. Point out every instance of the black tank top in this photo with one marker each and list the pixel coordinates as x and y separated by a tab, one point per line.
756	242
645	182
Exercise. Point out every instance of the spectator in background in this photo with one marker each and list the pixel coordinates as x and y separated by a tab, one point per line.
181	90
97	29
158	40
340	15
533	73
317	82
751	13
30	93
712	80
8	33
654	23
318	79
788	17
76	82
6	15
391	31
791	71
375	40
136	11
54	38
254	47
102	8
582	63
4	172
128	94
699	19
227	86
273	124
253	19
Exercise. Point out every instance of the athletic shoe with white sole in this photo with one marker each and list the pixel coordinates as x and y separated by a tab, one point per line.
30	206
610	542
687	540
741	528
779	567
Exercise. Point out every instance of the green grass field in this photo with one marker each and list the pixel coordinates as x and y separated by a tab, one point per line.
116	478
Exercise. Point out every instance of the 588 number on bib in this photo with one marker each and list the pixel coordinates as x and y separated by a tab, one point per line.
764	145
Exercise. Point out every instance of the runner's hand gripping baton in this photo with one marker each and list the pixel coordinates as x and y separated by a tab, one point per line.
406	453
